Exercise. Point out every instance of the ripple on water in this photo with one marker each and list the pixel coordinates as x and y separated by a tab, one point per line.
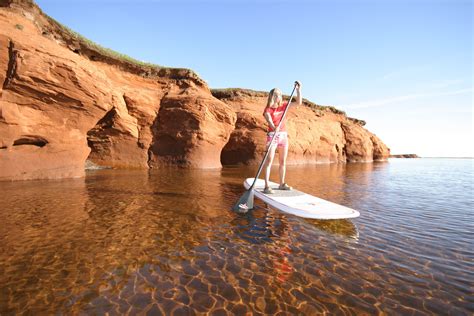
165	242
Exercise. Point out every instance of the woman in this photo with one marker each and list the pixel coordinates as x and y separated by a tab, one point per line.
273	114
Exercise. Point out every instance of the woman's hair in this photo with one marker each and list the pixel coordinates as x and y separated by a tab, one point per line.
271	97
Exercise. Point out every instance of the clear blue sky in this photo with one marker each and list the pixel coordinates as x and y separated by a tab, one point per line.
406	67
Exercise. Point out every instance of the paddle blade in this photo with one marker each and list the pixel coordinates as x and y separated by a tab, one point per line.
245	203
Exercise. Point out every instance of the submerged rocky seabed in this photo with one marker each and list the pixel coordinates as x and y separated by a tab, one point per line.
165	242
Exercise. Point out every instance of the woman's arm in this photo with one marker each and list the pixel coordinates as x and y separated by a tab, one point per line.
269	120
298	99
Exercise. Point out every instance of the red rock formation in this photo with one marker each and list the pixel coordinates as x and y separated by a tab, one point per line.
318	134
56	105
64	101
191	130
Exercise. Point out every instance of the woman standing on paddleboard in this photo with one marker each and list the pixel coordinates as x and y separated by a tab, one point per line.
273	113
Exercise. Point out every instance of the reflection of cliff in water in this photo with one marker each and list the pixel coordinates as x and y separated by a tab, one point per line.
95	234
142	211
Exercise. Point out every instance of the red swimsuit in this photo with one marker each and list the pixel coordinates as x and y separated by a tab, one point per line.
276	114
281	139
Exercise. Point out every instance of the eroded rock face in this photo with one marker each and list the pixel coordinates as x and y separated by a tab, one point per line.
247	141
381	151
62	103
58	109
48	98
317	134
190	130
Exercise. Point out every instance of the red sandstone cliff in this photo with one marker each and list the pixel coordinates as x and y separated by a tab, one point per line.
317	133
64	101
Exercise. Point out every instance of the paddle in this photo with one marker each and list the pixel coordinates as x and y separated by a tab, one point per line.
245	203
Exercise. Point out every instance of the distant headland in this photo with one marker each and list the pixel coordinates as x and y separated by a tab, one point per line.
404	156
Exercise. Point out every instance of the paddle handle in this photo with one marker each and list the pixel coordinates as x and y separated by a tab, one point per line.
271	141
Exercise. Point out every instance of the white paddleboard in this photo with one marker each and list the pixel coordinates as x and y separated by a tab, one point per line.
299	203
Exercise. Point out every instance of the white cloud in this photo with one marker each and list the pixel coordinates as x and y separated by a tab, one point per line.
397	99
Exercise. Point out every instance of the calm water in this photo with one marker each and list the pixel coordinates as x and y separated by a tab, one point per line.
165	242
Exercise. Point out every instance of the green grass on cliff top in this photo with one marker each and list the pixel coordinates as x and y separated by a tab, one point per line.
91	49
219	93
100	49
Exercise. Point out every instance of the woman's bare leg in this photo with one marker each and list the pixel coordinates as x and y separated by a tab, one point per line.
268	165
283	153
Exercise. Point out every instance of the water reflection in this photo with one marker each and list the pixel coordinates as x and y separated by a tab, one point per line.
265	222
344	229
166	242
339	183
